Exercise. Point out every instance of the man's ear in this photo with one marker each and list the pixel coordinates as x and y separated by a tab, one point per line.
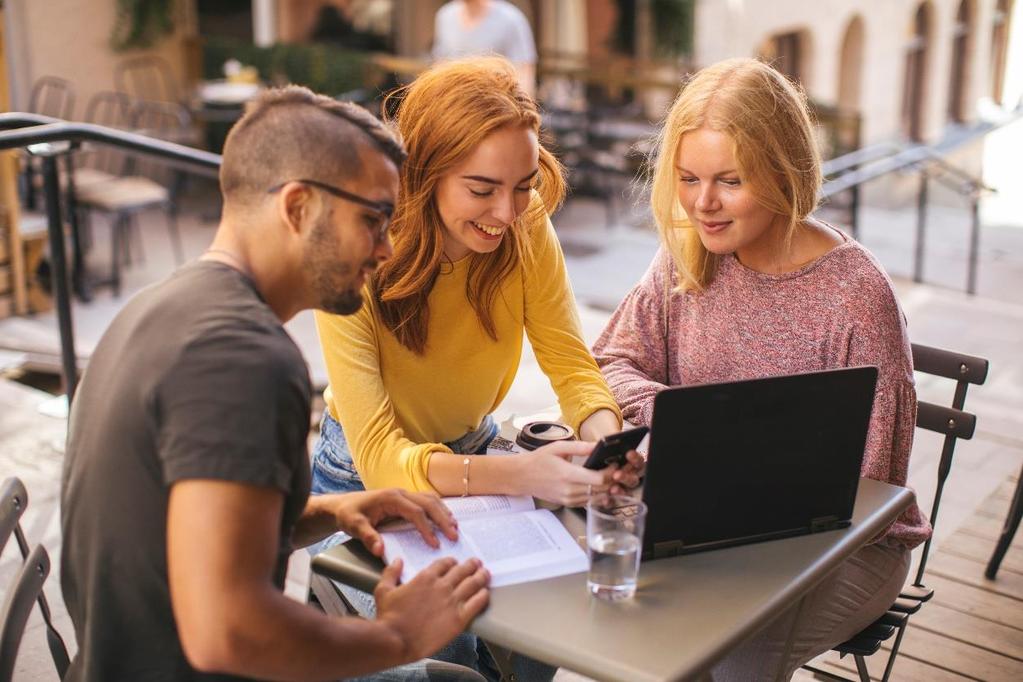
295	206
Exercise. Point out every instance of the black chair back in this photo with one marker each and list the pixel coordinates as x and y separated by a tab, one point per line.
27	588
952	422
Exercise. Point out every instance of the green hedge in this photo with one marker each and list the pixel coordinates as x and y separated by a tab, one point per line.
322	68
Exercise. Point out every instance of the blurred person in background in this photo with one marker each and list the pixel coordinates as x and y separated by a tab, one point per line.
463	28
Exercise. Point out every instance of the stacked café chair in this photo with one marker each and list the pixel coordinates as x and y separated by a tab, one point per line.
953	423
26	590
130	188
50	96
150	79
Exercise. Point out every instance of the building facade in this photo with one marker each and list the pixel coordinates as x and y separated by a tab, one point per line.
912	68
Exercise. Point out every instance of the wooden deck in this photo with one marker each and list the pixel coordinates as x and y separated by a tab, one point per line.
973	627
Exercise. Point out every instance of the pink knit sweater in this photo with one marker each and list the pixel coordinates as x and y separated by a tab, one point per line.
838	311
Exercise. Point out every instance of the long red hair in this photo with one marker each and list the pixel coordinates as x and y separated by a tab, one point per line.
442	116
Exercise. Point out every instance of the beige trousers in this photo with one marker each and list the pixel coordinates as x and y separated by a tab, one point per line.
852	597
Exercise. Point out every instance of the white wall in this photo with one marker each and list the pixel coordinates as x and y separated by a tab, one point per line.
71	39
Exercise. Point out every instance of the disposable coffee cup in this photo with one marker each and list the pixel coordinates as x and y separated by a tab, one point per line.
537	434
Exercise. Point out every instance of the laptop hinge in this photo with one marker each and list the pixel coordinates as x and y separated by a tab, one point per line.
667	548
821	523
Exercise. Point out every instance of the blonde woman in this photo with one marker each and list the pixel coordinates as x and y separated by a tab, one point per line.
415	375
749	284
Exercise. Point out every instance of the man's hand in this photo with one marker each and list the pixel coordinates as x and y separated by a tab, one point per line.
359	514
431	609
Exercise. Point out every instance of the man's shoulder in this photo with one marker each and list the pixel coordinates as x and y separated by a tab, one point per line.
211	308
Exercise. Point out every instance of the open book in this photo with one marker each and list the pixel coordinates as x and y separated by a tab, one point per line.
515	541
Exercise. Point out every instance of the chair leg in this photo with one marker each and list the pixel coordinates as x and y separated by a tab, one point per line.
503	659
861	668
118	234
136	240
1008	531
894	652
175	235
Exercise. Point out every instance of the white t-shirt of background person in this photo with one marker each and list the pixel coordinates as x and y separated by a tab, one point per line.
503	30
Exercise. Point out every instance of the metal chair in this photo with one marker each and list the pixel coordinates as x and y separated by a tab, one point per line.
1008	531
129	186
27	588
150	79
50	96
147	78
954	424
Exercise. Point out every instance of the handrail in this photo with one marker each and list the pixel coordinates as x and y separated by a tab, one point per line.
923	159
859	156
909	156
27	129
24	130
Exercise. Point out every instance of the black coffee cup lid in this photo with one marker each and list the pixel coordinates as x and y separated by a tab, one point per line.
540	433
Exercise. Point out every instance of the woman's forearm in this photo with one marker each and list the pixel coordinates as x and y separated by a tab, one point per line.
488	475
601	423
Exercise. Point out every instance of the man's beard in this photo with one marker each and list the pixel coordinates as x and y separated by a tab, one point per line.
332	279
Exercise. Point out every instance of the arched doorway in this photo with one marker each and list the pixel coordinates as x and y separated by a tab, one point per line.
915	79
850	66
791	53
962	42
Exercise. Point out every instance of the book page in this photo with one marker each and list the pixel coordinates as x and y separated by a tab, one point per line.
473	506
487	505
515	548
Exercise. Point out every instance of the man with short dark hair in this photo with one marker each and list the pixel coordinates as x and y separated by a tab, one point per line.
186	480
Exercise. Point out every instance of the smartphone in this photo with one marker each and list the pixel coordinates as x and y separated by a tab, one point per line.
611	449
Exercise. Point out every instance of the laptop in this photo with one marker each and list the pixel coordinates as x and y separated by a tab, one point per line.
748	461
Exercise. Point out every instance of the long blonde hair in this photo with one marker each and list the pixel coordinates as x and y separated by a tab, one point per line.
442	116
775	150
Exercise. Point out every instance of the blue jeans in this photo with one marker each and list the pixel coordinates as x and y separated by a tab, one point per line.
334	472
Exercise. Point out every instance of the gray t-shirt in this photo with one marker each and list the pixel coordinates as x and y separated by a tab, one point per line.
503	30
195	378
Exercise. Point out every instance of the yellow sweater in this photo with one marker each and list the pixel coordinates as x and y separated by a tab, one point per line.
398	408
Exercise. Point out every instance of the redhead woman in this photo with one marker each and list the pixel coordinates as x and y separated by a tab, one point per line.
415	375
749	284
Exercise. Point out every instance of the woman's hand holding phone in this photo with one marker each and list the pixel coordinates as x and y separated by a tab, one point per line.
548	474
617	452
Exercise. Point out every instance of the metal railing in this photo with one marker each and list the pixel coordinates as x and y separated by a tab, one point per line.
50	138
59	138
850	171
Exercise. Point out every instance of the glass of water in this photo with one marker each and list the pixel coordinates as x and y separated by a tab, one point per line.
614	537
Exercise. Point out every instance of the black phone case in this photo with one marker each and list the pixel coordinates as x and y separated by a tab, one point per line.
611	449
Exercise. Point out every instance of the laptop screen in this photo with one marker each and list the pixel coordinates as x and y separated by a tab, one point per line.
750	460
